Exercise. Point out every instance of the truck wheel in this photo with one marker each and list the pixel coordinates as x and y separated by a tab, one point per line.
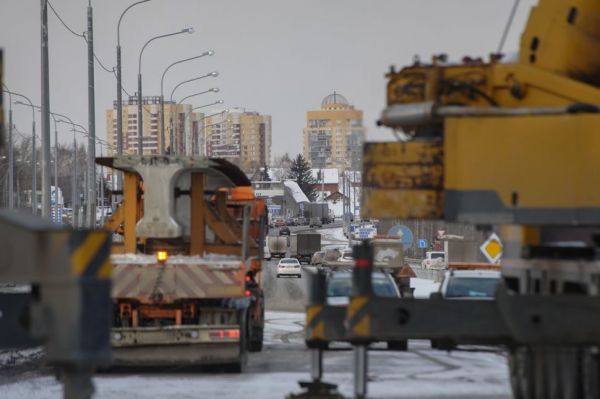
397	345
240	364
255	343
591	373
520	364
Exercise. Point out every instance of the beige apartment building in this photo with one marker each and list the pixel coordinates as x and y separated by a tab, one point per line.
239	136
184	126
334	135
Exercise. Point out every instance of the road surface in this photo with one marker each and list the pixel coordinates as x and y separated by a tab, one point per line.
273	373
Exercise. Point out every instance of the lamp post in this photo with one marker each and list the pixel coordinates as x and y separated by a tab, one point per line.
45	112
201	119
11	160
119	85
140	116
74	194
33	150
173	129
162	100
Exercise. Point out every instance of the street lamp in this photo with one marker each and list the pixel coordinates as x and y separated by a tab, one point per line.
119	86
140	116
11	162
173	129
162	100
33	155
200	120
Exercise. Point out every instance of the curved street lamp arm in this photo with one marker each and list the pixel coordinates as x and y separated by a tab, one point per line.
121	17
187	30
214	90
213	74
162	78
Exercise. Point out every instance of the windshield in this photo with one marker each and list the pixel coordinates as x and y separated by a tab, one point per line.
473	287
338	287
439	255
291	261
347	255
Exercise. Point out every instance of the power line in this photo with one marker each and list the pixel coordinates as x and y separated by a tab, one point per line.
81	35
511	17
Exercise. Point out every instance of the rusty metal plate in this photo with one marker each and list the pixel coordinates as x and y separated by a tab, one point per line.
403	180
176	280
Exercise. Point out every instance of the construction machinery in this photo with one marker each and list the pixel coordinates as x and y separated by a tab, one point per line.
513	148
187	271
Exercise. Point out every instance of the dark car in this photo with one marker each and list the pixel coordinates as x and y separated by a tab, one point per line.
284	231
290	222
339	288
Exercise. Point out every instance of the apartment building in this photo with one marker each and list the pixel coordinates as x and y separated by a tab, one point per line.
334	134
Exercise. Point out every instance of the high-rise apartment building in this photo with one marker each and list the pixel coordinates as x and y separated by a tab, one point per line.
181	124
241	137
334	134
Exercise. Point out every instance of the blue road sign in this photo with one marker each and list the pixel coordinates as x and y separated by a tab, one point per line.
422	243
403	233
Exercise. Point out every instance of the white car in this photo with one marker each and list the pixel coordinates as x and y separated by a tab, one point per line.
266	253
289	267
470	284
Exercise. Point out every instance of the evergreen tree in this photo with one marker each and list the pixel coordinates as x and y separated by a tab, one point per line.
300	171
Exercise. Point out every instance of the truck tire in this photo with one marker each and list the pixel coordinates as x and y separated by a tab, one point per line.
397	345
520	365
240	364
255	343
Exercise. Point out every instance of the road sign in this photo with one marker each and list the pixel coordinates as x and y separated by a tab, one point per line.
492	249
403	233
422	243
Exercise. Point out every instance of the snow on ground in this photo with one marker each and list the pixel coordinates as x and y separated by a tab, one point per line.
333	237
421	372
423	287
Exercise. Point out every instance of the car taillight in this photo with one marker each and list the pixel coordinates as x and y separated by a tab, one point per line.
224	334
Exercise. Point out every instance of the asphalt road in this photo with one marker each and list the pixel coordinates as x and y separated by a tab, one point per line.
421	372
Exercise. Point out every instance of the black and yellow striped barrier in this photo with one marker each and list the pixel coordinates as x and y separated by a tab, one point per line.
358	317
90	253
315	323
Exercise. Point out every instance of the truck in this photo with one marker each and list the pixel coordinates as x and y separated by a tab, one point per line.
186	272
303	246
277	246
317	209
540	109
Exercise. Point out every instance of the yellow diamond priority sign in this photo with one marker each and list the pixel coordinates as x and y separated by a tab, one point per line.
492	248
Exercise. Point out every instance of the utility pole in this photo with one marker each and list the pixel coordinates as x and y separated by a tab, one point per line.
45	115
91	167
74	193
11	159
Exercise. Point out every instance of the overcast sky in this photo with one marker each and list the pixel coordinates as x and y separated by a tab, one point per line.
278	57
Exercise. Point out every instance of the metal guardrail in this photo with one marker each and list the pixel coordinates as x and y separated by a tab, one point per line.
511	319
68	309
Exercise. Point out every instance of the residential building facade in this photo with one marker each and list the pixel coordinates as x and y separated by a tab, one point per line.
239	136
334	135
182	126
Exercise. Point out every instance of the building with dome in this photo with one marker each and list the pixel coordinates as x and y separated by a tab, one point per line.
334	134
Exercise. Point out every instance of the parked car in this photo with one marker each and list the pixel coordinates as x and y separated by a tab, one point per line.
266	253
278	222
315	222
469	284
301	221
289	267
339	288
346	256
317	258
284	231
290	222
466	285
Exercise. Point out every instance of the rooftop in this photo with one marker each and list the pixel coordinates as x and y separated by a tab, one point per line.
335	98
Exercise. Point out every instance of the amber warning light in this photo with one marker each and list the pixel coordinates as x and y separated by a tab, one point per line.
161	256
